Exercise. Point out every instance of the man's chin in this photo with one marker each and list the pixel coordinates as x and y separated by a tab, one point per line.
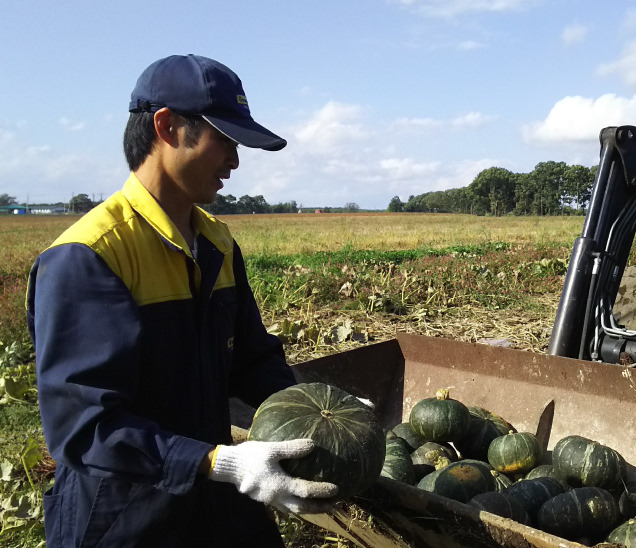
208	200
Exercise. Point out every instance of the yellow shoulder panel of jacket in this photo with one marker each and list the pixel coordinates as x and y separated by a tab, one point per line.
141	245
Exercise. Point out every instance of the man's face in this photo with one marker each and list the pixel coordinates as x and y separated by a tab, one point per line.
199	169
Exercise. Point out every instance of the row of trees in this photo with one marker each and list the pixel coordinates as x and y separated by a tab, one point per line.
5	199
551	188
229	205
224	205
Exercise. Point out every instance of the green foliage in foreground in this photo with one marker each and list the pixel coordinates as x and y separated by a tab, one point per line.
354	256
493	275
22	479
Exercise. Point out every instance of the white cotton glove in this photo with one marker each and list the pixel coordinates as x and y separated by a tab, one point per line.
368	403
254	468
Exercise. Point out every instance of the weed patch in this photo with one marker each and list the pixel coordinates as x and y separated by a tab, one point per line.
494	276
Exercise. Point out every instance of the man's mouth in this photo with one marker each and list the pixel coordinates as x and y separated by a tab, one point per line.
220	180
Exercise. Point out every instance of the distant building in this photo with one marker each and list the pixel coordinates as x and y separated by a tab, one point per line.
13	209
36	209
47	210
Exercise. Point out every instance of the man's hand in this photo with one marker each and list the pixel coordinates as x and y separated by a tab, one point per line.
255	469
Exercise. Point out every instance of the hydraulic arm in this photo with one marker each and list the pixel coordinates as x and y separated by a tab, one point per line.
585	326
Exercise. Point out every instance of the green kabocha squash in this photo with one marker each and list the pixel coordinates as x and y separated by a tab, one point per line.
514	453
501	505
625	534
542	471
425	456
439	459
502	482
349	442
627	504
579	512
533	493
460	480
440	418
484	427
413	440
547	471
584	462
397	461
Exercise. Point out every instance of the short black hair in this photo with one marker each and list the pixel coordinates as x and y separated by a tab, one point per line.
140	135
139	138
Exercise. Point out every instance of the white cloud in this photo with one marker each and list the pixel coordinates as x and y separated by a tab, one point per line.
629	22
462	173
66	166
624	67
305	90
574	34
434	176
6	136
417	123
469	45
331	126
70	125
450	8
581	118
339	155
16	157
36	150
43	173
470	120
403	169
349	166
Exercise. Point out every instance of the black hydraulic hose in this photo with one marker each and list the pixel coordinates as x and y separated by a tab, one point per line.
588	306
619	242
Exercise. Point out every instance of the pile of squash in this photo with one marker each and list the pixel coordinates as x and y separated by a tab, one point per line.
476	457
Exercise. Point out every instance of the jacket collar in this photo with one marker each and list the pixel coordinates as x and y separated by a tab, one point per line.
144	203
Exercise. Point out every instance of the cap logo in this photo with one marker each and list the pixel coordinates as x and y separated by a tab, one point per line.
241	100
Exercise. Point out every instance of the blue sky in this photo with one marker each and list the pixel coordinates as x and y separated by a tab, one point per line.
376	98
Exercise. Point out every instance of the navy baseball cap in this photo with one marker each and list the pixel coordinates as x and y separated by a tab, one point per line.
191	84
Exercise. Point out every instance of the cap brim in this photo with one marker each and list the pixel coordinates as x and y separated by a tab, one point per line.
247	132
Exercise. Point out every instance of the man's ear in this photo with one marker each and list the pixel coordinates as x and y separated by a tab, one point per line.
165	126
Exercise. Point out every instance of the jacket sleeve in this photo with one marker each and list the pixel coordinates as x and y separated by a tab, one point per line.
85	328
259	365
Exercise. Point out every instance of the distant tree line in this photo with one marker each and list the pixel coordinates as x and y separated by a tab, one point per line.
5	199
79	203
229	205
551	188
223	205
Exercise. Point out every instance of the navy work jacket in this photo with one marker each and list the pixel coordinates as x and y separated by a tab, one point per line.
138	349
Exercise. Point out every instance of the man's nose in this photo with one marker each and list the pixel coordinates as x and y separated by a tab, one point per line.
234	158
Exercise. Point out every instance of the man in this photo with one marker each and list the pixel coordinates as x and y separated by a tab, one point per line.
144	326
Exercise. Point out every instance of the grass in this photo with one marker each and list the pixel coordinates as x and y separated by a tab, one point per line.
327	283
310	233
